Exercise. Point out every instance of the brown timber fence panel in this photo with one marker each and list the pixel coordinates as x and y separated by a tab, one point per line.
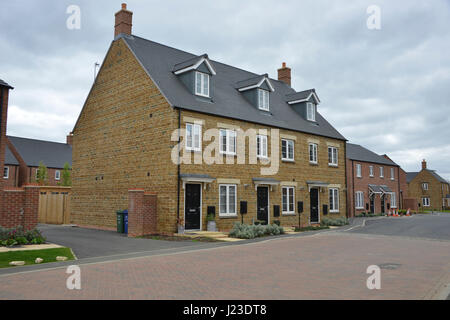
54	205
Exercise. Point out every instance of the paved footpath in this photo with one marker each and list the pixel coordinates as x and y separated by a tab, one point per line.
328	265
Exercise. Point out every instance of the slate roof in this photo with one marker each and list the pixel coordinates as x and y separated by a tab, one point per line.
9	157
52	154
300	95
159	60
410	176
438	177
188	63
4	84
250	82
357	152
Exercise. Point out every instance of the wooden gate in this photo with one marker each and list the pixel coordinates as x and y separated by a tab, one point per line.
54	205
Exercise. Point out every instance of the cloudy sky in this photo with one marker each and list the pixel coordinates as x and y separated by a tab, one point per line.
387	89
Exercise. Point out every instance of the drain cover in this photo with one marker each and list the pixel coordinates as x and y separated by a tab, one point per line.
389	266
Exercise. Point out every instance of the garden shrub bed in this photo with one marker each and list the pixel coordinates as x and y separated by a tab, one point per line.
18	236
338	222
246	231
311	228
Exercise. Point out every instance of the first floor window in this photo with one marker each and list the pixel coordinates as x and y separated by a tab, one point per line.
425	186
371	171
57	175
263	99
359	200
193	137
227	199
332	156
426	202
358	170
202	84
287	150
261	146
310	112
313	153
227	141
393	200
5	172
334	199
288	199
392	174
381	172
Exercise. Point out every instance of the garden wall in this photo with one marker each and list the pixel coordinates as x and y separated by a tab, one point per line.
142	214
19	206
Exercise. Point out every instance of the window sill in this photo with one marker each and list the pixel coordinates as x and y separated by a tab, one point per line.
334	212
288	213
333	165
193	151
361	208
288	160
228	216
314	163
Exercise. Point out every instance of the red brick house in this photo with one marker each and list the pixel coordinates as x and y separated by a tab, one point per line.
23	155
375	183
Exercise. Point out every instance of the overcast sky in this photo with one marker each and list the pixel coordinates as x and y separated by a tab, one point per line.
387	89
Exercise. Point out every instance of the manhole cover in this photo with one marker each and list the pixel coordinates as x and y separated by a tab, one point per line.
389	266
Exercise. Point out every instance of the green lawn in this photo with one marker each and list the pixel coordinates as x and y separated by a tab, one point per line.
49	255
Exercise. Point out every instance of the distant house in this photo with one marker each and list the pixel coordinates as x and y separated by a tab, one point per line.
375	183
22	157
429	189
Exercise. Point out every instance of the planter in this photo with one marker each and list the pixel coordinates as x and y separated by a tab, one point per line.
211	226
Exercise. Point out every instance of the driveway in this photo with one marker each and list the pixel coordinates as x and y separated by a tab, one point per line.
427	226
89	243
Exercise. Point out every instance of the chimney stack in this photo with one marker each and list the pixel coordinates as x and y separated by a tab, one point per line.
69	138
424	164
123	21
284	74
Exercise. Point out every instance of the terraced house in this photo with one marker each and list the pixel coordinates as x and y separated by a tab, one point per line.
430	190
206	137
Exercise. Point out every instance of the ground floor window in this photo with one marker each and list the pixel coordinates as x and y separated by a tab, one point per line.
359	201
227	200
393	200
288	199
426	202
334	199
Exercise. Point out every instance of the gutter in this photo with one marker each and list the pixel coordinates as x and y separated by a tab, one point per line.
353	189
178	168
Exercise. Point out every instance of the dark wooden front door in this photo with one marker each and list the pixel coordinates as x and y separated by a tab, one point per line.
372	203
314	205
192	206
262	205
382	204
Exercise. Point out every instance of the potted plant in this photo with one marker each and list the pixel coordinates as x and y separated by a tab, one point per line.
211	222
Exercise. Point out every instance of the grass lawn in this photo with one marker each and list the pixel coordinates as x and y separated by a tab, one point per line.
49	255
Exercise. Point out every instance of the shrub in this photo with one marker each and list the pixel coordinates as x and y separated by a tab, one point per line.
245	231
341	221
13	236
311	228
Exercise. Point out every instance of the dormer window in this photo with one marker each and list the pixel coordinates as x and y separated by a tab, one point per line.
310	112
201	84
263	99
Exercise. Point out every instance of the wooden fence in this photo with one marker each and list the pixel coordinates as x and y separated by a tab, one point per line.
54	205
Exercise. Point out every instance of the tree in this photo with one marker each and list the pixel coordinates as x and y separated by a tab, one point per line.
66	175
42	174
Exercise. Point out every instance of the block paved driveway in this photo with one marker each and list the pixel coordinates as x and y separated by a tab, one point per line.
326	265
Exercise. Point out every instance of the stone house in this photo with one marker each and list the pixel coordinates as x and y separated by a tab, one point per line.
429	189
375	183
206	137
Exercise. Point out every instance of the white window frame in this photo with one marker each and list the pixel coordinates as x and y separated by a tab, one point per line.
310	111
358	170
57	175
371	171
333	195
263	100
393	200
313	157
228	213
392	174
204	81
229	135
425	186
261	145
289	149
359	200
334	156
381	172
193	141
290	191
426	203
6	170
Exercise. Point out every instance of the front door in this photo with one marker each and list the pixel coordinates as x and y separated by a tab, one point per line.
382	204
192	208
262	205
372	203
314	205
